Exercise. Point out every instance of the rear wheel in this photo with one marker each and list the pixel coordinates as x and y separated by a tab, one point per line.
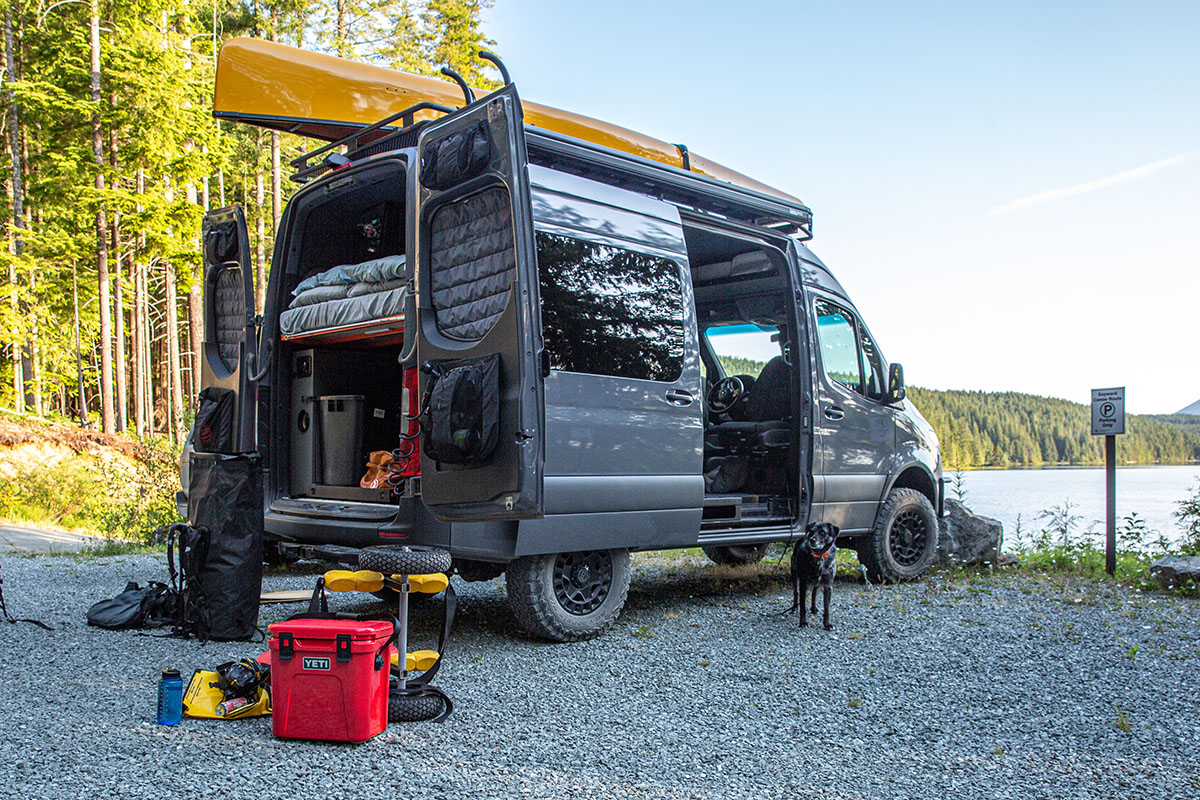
904	542
735	554
568	597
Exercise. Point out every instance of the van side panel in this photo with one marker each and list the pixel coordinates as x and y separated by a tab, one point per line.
623	454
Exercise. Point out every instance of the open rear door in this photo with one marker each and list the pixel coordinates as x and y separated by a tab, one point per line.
478	317
225	414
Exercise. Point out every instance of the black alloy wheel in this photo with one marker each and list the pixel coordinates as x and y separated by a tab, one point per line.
909	537
582	581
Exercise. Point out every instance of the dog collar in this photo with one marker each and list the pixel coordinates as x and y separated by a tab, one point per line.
820	555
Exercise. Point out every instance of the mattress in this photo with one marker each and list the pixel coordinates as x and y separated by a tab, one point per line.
342	313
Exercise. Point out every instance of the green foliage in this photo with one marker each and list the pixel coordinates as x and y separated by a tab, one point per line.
1059	547
97	495
1188	515
740	366
1002	429
160	149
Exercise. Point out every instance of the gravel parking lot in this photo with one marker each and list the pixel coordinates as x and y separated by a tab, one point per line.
957	686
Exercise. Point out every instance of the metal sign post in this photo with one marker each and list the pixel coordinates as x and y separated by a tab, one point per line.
1108	420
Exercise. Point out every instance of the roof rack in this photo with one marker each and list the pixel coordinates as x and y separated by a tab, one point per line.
306	171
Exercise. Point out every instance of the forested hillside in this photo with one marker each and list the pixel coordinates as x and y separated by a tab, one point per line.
1185	422
1000	429
111	157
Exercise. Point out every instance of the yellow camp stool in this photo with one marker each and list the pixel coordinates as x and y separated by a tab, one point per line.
426	584
419	660
343	580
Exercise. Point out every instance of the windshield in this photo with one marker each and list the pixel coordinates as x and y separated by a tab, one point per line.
743	349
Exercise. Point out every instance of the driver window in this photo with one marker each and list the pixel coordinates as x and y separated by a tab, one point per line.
839	348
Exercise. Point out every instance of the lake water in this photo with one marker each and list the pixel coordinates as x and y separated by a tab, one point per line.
1150	491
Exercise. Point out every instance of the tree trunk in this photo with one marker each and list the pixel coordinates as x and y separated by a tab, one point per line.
17	242
106	376
260	247
196	334
276	186
343	37
83	416
139	361
221	187
172	326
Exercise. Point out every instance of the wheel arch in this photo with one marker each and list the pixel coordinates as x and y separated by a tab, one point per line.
918	477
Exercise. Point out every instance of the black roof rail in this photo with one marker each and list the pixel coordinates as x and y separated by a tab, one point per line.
305	170
669	183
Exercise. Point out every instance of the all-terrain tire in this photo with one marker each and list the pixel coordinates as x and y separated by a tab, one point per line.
393	559
735	554
409	708
568	597
904	542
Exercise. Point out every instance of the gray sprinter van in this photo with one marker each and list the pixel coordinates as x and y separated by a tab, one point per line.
554	354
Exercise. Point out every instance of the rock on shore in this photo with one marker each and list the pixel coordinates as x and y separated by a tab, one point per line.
967	538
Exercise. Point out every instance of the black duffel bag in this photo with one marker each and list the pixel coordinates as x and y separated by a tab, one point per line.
225	497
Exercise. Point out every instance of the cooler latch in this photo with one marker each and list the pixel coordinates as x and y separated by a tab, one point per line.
286	647
343	647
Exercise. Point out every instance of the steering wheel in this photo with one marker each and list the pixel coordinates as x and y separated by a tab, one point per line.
725	393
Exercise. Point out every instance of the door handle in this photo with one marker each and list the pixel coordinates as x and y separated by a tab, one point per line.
679	397
834	412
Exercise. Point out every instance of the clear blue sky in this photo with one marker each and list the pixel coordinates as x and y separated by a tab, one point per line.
1010	191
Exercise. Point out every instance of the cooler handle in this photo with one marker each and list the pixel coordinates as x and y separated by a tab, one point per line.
286	647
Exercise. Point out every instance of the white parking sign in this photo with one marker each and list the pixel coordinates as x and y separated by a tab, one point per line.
1108	411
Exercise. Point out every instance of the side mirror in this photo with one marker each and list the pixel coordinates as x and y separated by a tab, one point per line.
895	392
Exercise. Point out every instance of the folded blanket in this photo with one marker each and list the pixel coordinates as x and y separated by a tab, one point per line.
330	277
359	289
381	270
378	270
319	294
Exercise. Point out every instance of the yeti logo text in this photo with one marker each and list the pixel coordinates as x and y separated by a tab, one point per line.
315	663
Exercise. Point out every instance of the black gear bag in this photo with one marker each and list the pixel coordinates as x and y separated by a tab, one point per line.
225	498
463	410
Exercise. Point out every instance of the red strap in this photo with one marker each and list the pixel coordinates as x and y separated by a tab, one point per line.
820	555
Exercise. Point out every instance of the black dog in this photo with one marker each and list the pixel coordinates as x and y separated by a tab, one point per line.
814	563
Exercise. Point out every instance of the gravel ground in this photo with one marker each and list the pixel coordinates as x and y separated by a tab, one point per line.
957	686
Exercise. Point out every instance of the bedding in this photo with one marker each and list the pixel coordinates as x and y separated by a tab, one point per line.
347	295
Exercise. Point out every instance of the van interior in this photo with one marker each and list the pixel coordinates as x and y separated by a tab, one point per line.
341	335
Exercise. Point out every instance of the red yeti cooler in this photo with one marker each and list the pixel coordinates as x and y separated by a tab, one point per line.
329	678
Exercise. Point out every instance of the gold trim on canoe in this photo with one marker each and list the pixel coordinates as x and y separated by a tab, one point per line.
276	86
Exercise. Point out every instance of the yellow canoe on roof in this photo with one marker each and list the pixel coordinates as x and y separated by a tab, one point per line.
276	86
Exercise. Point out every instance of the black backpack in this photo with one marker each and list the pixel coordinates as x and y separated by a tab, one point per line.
154	606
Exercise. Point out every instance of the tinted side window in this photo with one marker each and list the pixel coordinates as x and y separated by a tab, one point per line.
839	347
610	311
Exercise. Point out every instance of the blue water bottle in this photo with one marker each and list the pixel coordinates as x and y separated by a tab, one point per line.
170	698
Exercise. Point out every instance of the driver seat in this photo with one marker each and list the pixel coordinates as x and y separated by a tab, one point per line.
766	410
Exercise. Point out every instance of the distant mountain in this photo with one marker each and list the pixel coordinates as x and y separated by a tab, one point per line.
1194	408
1000	429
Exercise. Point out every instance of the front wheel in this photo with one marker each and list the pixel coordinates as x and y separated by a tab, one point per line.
735	554
905	539
568	597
